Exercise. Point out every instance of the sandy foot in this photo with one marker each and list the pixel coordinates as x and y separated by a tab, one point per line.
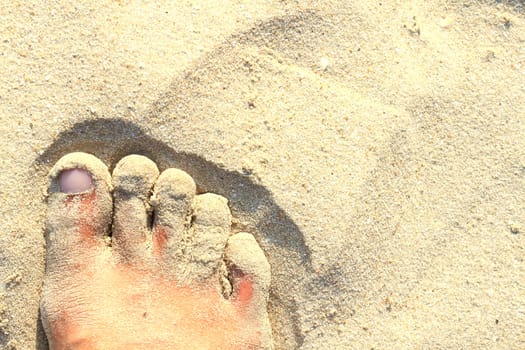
171	276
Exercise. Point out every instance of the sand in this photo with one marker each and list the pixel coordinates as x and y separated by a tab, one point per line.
376	150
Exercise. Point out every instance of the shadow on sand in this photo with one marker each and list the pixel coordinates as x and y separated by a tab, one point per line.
112	139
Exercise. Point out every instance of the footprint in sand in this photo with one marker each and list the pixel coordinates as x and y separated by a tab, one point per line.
152	267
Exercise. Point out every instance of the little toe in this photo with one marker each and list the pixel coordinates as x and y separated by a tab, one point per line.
249	269
250	279
211	228
172	198
79	208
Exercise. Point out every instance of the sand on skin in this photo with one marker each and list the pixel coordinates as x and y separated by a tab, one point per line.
389	136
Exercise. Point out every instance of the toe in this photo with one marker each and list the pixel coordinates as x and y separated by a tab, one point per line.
250	279
172	198
79	208
211	228
133	180
249	268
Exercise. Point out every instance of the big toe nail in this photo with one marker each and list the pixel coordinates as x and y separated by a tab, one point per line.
75	180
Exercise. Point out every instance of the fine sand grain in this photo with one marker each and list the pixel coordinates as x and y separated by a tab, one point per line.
376	150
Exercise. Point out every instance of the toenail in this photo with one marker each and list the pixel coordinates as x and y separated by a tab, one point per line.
75	180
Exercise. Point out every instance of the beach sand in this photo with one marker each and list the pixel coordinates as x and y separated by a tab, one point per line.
376	150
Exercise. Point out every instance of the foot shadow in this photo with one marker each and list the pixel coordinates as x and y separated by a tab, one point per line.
41	340
112	139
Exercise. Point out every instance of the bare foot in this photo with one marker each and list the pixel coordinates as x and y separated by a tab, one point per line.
180	282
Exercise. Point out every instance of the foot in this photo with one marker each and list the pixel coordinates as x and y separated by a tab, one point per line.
177	281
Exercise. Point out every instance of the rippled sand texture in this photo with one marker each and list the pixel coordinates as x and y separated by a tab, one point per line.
376	150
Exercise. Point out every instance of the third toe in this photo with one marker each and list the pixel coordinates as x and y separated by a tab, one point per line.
172	199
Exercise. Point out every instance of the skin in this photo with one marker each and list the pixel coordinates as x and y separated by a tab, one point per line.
95	297
128	307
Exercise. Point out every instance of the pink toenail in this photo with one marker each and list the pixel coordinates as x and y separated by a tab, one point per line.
75	180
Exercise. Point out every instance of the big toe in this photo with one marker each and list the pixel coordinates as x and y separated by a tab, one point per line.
79	209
